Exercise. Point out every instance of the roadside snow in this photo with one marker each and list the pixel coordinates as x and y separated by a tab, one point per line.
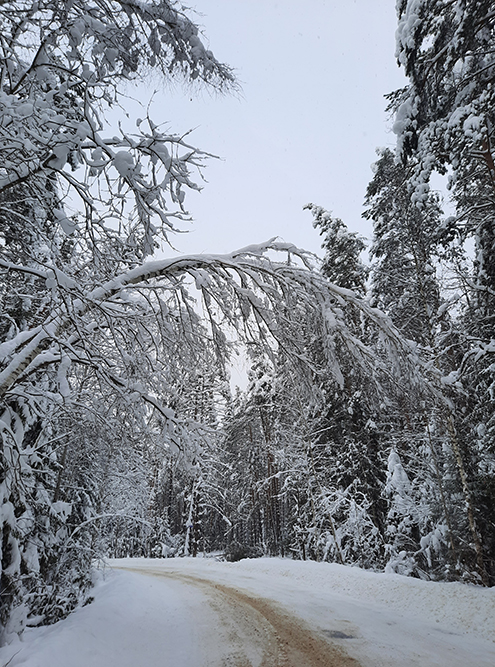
383	620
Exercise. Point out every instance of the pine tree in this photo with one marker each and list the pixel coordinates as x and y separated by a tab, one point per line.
404	248
341	264
343	448
444	122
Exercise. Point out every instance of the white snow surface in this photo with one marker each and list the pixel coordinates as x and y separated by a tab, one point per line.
384	620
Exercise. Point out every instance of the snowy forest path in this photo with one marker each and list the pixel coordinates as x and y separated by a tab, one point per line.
258	632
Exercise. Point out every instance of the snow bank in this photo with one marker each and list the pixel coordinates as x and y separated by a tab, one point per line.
465	608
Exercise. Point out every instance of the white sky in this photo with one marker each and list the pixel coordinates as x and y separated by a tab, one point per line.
305	127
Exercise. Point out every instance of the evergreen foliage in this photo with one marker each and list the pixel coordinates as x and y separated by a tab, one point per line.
342	263
444	122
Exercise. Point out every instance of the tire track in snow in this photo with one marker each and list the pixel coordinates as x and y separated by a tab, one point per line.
258	632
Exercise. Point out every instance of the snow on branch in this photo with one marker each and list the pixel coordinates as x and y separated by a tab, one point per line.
254	294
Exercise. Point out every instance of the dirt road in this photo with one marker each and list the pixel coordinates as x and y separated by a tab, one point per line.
257	632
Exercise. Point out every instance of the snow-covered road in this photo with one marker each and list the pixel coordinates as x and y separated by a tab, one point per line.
252	630
267	613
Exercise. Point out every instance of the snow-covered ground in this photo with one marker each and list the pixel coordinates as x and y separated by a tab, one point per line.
167	614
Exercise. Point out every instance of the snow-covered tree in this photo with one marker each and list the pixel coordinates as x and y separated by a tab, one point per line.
405	285
341	263
444	122
256	451
404	282
445	117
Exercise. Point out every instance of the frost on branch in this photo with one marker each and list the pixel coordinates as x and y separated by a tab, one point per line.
62	65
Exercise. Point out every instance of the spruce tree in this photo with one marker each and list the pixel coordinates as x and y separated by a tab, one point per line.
445	123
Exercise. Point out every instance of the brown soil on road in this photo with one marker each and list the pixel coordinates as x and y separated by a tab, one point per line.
257	631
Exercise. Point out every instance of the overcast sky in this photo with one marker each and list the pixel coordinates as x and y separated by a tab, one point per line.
305	126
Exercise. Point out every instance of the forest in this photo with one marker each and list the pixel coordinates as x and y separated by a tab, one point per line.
366	433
